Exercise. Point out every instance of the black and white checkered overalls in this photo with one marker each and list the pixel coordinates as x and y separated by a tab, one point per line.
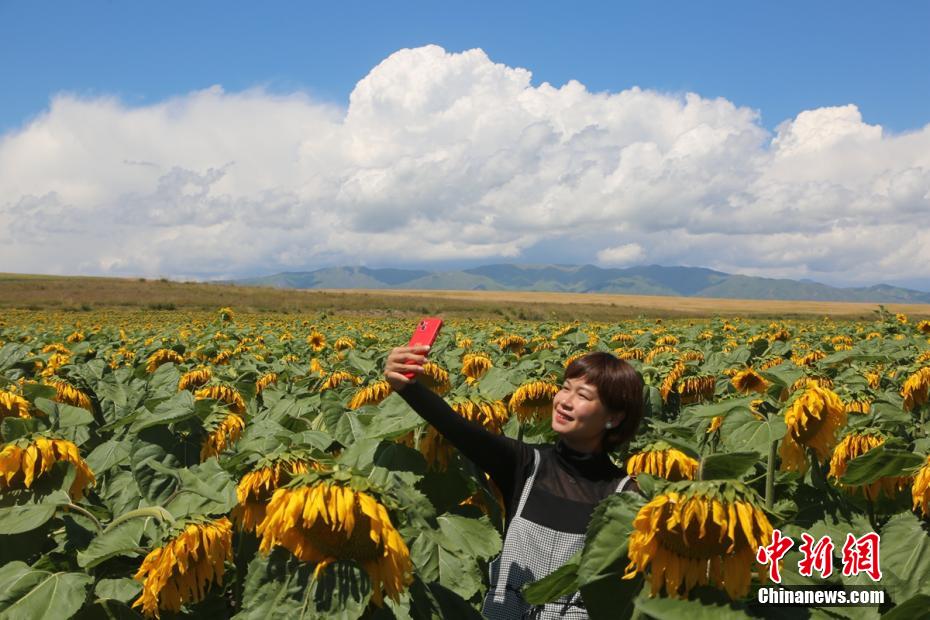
532	551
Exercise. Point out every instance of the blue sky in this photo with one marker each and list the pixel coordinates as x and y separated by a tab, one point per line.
224	139
776	57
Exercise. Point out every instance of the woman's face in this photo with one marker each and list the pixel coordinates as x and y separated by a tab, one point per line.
579	416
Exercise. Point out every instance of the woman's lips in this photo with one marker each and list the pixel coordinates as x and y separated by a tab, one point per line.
563	417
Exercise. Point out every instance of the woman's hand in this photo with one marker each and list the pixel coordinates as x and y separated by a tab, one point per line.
401	360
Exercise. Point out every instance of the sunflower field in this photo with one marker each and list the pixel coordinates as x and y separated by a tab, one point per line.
227	465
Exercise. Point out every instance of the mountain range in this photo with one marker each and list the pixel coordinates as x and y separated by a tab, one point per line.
644	280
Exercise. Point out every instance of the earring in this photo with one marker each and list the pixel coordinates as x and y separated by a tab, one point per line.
609	425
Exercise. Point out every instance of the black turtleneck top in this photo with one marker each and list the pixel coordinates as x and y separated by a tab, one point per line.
568	484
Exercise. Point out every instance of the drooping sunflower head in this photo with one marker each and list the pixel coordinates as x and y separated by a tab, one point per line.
337	378
813	420
13	406
269	378
325	522
670	381
699	533
344	342
370	394
856	444
659	350
662	460
694	389
533	400
748	380
512	342
916	389
162	356
193	379
256	488
435	378
223	435
182	570
630	353
920	489
475	365
22	464
923	327
70	395
224	394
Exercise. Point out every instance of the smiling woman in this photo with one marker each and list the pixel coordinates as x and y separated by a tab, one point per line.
549	491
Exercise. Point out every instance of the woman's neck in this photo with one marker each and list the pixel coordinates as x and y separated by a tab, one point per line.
591	447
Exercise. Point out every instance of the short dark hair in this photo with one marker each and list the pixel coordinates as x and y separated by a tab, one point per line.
619	387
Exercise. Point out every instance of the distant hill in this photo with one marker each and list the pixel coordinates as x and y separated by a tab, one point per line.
645	280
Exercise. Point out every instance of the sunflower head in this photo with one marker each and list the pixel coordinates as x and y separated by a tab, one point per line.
670	381
256	488
533	400
162	356
748	380
435	378
225	394
269	378
182	570
694	389
475	365
337	378
70	395
344	342
813	420
916	388
662	460
920	489
513	343
326	521
13	406
317	341
226	433
371	394
193	379
21	466
699	533
854	445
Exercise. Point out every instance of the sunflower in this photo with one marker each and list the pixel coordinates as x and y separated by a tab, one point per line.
75	336
916	388
474	365
571	358
20	467
924	327
699	533
70	395
810	359
512	343
695	389
748	380
920	490
464	343
434	447
13	406
226	433
435	378
56	347
337	378
667	340
269	378
315	367
371	394
257	487
813	420
630	354
671	380
659	350
860	404
226	314
162	356
623	338
664	461
691	356
180	571
194	379
317	341
222	358
715	423
874	378
344	342
55	361
856	444
807	381
533	400
224	394
771	363
325	522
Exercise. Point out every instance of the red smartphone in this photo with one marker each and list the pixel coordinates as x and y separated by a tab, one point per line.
424	333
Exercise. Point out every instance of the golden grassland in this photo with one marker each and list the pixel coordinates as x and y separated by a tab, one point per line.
85	294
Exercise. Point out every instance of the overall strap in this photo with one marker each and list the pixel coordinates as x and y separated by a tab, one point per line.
622	484
528	484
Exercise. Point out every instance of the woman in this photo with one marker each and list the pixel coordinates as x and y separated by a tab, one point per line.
549	491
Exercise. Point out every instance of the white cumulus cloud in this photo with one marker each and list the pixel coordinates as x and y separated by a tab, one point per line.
444	156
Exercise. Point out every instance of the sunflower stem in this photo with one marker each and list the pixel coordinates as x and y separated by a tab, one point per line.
87	514
770	476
